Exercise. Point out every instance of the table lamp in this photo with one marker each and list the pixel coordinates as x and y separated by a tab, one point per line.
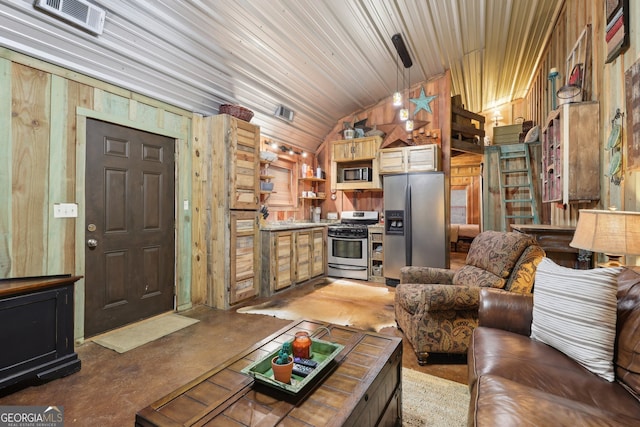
611	232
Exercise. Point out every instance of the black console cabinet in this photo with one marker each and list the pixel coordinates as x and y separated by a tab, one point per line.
36	330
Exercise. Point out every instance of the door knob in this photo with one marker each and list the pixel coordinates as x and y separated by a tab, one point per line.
92	243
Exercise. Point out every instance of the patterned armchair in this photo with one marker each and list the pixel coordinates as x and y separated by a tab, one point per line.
437	309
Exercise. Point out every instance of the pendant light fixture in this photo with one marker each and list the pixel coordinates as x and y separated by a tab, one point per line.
397	96
403	54
409	123
404	111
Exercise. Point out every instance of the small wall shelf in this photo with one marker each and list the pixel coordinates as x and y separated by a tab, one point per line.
376	254
314	185
265	177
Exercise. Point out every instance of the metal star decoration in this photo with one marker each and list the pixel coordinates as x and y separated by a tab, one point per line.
423	102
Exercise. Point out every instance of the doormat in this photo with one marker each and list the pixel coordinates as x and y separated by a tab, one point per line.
432	401
143	332
339	301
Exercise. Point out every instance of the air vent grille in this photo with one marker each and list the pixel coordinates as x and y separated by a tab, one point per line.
76	9
284	113
77	12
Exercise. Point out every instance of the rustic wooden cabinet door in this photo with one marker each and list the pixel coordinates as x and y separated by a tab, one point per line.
244	246
355	149
392	160
365	148
283	273
423	158
244	177
319	250
341	151
303	255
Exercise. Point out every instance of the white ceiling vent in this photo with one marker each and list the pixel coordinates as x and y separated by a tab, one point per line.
284	113
77	12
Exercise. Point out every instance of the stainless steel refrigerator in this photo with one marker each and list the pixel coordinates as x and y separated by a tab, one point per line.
414	222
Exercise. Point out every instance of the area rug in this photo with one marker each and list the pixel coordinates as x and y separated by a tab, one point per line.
145	331
342	302
432	401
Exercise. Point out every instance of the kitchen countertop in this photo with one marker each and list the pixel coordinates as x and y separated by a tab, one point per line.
291	225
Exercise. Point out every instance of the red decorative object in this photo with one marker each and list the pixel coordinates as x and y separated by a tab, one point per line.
302	345
236	111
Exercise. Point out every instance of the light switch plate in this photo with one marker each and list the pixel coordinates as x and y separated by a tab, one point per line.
65	210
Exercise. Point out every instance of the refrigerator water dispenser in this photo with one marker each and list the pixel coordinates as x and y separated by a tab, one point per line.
394	222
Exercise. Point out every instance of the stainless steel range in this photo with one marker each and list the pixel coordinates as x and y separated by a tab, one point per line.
347	242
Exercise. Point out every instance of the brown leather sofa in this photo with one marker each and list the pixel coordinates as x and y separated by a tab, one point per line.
517	381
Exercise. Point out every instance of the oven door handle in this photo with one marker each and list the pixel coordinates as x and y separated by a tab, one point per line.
346	237
346	267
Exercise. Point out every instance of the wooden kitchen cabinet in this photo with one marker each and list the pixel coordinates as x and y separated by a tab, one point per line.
291	257
303	256
236	155
418	158
243	281
570	154
277	260
318	259
348	150
355	153
231	189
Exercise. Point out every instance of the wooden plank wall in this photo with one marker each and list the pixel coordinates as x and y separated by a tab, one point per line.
573	19
384	112
43	109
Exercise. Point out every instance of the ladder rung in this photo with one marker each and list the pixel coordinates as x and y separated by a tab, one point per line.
515	171
512	156
509	148
518	201
515	186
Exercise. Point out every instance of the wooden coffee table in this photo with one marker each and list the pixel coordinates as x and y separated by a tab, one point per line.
363	388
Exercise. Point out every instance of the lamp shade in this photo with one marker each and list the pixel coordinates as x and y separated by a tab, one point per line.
607	231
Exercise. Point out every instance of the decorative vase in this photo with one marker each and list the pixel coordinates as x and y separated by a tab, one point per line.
302	345
282	373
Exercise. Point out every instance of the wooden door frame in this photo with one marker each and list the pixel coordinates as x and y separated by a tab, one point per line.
182	298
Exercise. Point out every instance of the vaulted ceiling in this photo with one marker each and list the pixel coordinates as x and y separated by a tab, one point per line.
324	59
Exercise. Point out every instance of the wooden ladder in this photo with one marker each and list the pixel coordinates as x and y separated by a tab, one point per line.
516	185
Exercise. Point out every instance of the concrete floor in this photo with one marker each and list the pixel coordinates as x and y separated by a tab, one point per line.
111	387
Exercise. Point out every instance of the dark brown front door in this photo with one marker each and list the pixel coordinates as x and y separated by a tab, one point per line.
129	236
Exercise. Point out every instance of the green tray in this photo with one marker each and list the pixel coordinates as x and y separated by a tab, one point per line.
322	352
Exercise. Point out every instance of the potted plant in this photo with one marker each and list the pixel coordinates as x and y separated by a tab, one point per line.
282	364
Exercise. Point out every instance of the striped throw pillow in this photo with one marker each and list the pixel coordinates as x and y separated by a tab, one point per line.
574	311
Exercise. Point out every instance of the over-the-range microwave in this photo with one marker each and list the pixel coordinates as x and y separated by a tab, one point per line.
357	175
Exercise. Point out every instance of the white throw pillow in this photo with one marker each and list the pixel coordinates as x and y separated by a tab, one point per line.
574	311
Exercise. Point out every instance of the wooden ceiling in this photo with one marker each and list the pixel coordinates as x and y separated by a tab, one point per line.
322	59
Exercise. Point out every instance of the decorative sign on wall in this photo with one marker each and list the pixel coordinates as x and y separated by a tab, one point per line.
632	93
617	30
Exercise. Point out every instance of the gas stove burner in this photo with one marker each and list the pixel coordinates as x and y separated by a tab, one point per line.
353	224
